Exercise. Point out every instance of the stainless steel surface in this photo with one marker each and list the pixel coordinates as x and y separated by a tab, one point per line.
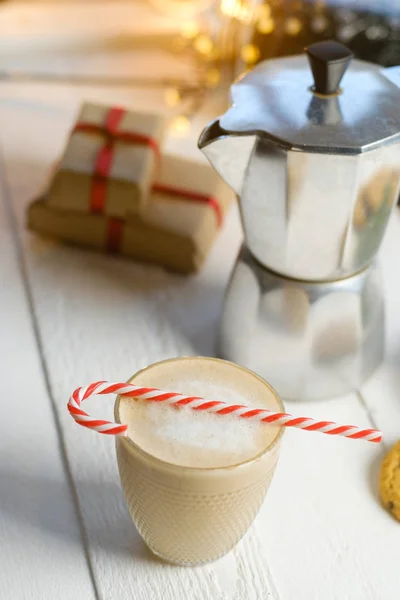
229	155
393	74
274	100
318	213
318	176
313	217
309	340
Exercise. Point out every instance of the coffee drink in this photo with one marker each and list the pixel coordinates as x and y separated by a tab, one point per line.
192	438
194	481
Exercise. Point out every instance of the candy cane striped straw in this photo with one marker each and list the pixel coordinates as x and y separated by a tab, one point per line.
200	404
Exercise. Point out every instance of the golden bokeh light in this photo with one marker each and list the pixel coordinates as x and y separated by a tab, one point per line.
180	125
293	26
203	44
190	30
213	77
237	9
172	97
250	53
266	26
319	23
263	11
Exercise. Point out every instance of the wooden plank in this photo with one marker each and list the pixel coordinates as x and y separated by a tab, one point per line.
332	539
34	27
97	39
101	340
381	393
41	551
320	534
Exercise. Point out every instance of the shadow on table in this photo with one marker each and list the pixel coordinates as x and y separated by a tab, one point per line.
374	474
37	503
389	374
187	308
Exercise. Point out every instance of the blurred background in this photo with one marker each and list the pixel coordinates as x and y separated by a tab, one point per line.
193	46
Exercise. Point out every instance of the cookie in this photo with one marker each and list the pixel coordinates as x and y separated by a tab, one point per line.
389	483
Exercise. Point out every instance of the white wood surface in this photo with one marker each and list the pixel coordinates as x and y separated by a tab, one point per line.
41	547
321	533
382	392
104	39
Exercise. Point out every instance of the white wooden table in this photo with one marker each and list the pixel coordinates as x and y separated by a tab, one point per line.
68	317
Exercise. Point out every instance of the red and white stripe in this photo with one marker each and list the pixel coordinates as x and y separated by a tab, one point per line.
197	403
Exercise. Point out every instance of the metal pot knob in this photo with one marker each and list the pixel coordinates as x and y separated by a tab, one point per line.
328	61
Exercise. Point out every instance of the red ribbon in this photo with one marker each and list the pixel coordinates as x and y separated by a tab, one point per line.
103	166
114	235
115	226
183	193
105	155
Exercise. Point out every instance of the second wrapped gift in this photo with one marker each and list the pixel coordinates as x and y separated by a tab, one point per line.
109	162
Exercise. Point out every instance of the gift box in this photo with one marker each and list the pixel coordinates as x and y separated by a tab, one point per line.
114	191
189	201
109	162
176	230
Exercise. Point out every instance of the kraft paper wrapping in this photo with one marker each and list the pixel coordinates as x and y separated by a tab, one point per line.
132	169
178	252
181	216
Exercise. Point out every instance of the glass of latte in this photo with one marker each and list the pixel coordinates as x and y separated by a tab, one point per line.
194	481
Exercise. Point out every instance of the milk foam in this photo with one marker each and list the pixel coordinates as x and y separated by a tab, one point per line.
193	438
